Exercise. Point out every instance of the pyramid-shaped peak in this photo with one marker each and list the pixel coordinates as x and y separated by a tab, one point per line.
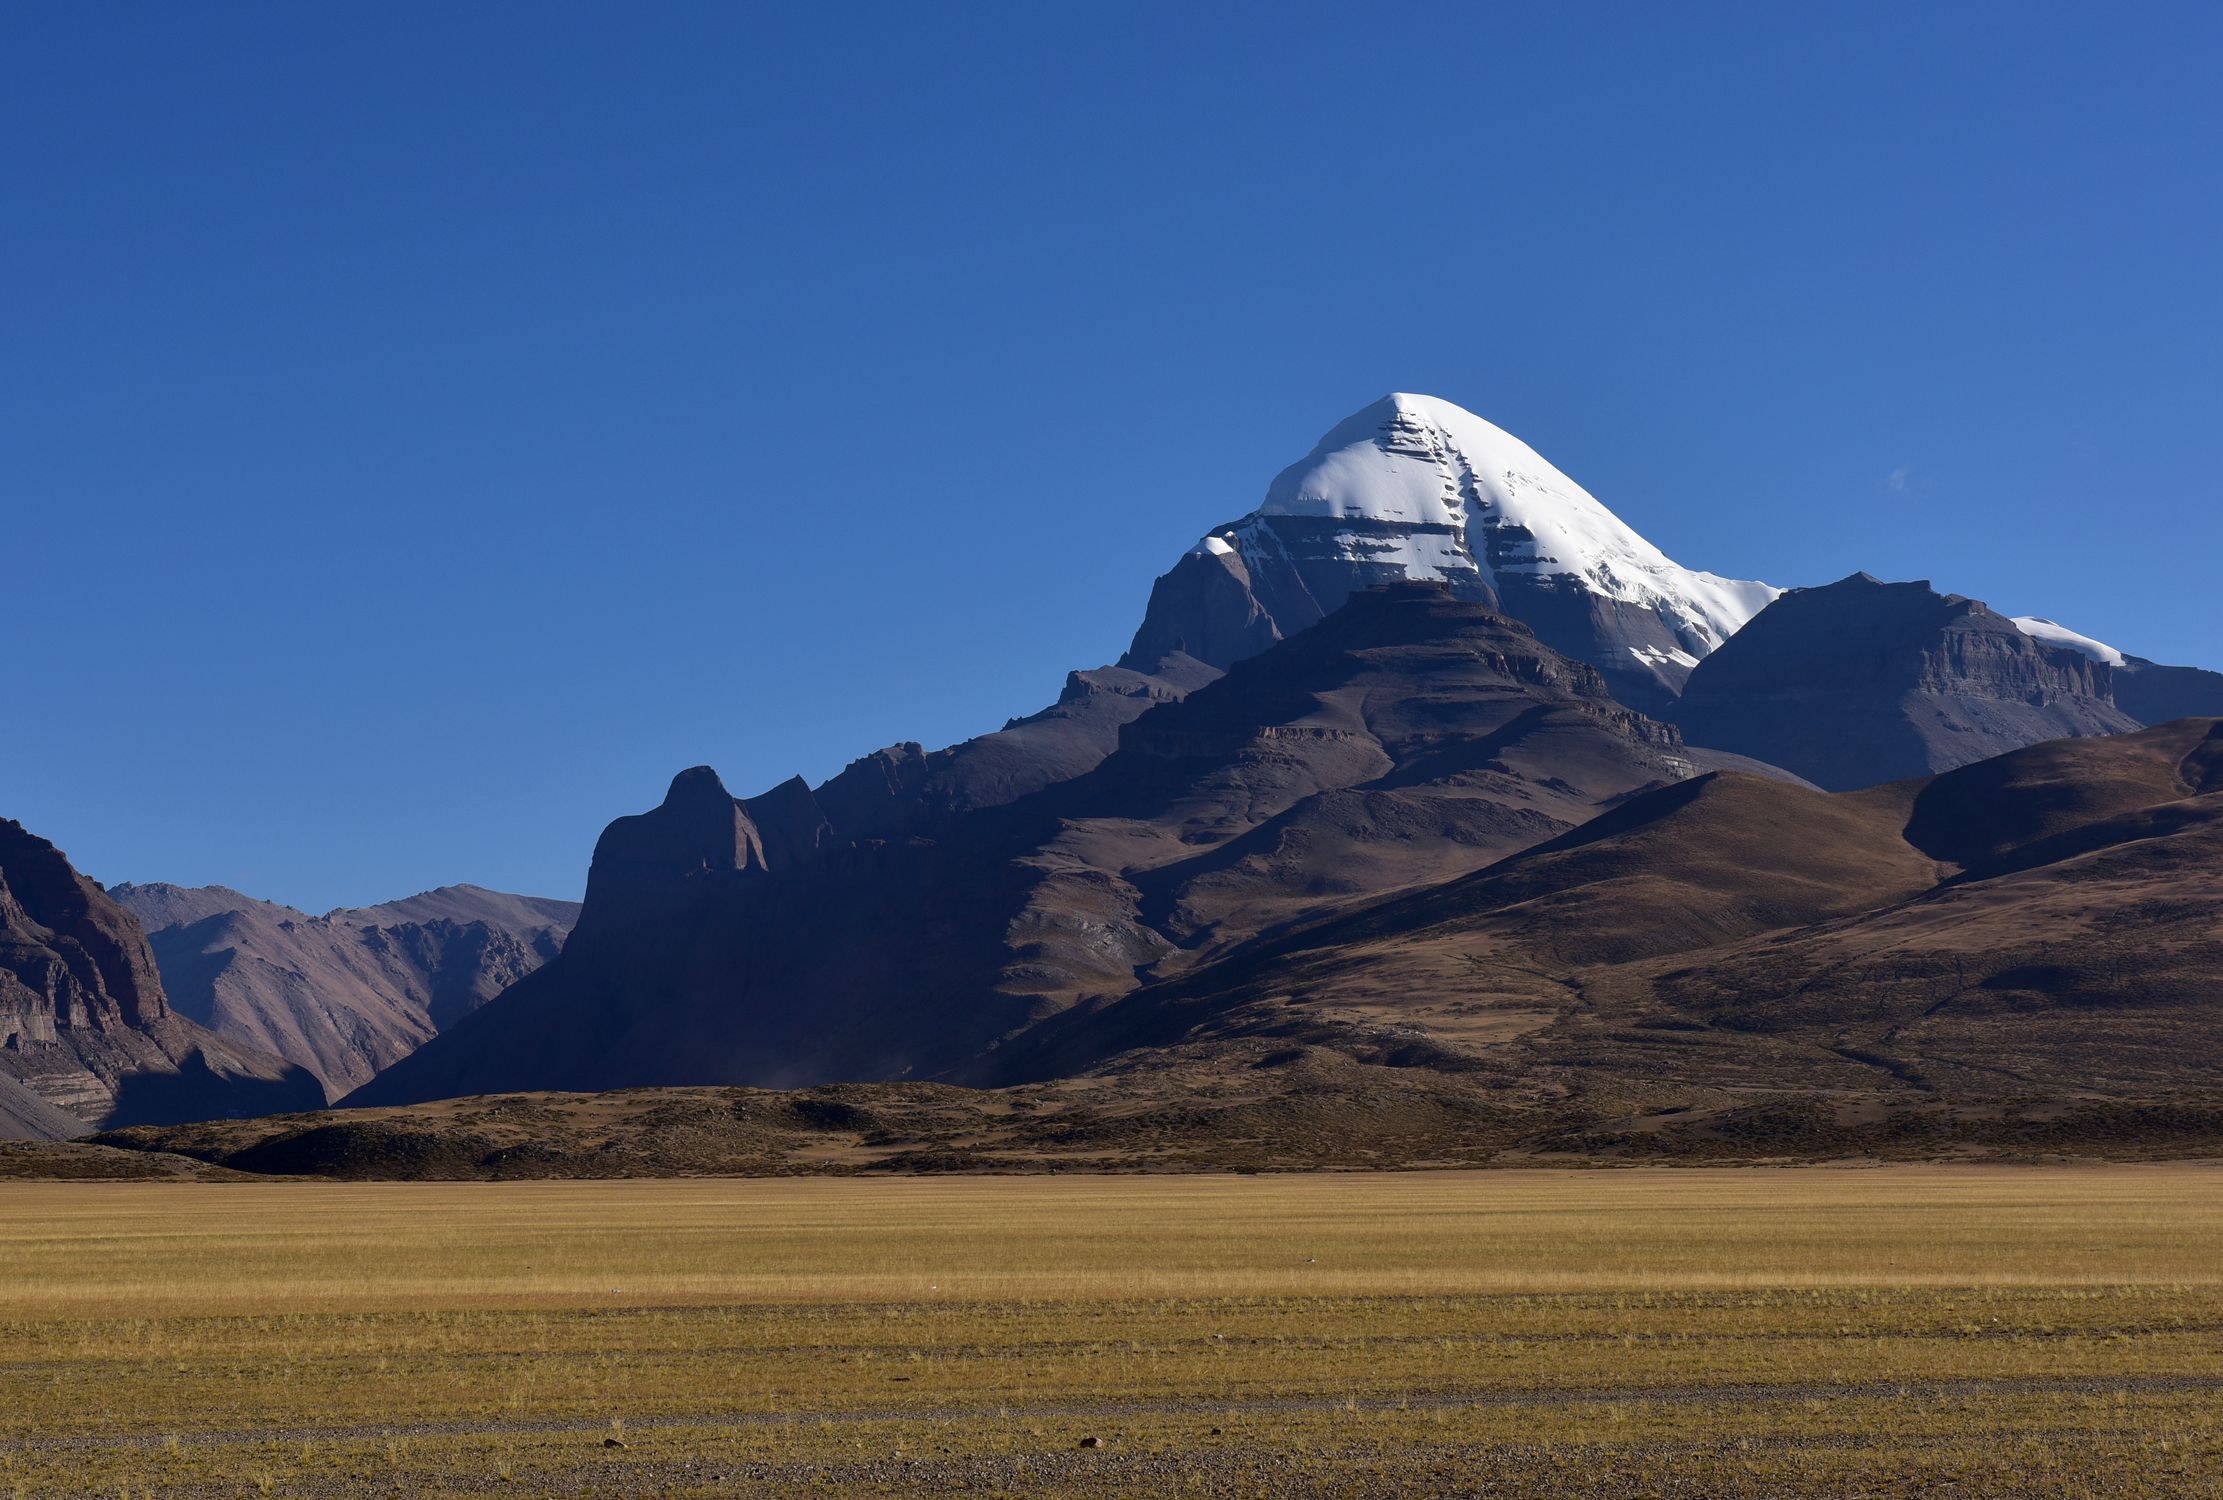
1414	486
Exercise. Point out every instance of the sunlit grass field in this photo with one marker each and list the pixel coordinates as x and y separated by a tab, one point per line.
1889	1331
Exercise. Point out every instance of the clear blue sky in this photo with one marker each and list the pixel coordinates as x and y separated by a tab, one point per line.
425	428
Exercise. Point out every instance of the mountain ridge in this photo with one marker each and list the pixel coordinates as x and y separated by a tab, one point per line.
1732	933
85	1025
1860	682
1726	969
1411	732
349	992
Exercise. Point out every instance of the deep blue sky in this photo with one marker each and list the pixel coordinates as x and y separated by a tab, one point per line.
425	428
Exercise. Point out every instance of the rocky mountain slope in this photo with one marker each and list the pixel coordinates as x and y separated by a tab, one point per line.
1414	487
2155	694
84	1024
905	790
2015	955
880	927
1863	682
348	993
2014	959
802	936
2039	926
25	1115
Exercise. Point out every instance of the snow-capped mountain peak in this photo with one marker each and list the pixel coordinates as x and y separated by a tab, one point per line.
1423	460
1414	486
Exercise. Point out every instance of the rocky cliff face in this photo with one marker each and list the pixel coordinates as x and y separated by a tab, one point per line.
350	992
712	949
1415	488
74	959
2146	690
1864	682
2155	694
84	1022
861	930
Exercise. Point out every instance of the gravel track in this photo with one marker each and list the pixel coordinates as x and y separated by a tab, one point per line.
1115	1411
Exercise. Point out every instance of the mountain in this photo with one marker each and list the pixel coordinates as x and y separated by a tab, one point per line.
2035	927
1862	682
904	790
2146	690
800	937
350	992
84	1023
1414	487
2155	694
2014	959
1431	814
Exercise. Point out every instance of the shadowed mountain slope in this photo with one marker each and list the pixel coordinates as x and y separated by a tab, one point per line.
799	937
2154	694
1864	682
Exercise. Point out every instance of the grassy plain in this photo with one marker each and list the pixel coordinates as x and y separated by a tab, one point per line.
1757	1332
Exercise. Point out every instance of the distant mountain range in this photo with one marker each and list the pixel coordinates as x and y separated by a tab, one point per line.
1430	762
352	991
2014	958
238	1006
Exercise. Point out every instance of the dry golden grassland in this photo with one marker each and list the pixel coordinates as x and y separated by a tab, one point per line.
1758	1332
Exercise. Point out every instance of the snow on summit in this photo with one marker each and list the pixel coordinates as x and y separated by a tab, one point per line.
1459	492
2039	628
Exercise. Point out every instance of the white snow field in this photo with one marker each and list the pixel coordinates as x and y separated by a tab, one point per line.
2038	627
1479	498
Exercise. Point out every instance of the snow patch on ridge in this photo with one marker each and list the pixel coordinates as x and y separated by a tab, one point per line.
2039	628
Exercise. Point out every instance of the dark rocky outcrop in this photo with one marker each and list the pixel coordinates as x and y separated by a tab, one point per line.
1208	606
1862	682
84	1022
701	958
